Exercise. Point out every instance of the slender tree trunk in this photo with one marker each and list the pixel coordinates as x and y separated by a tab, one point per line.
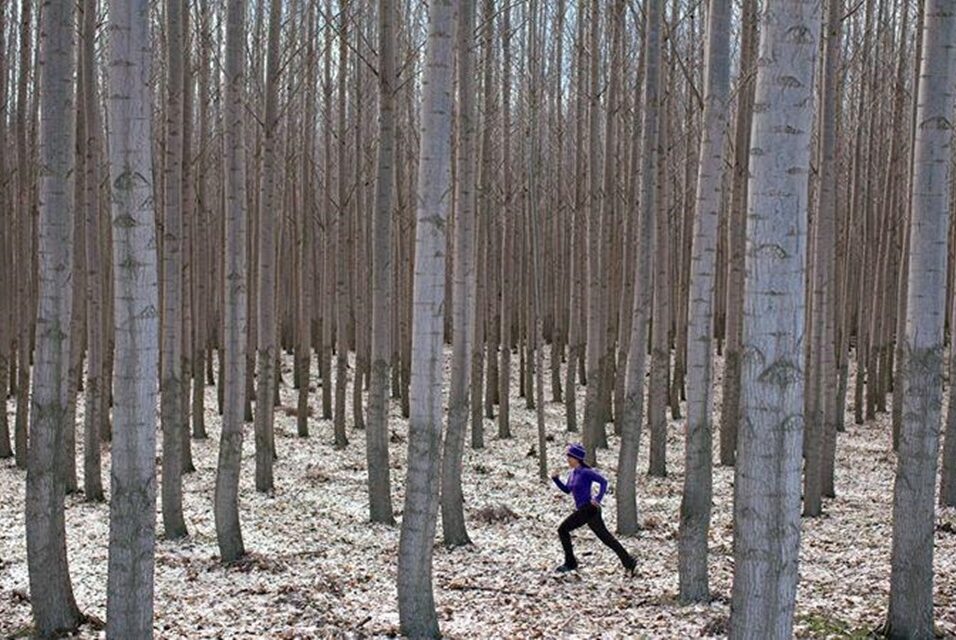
507	241
730	409
633	405
595	354
767	474
172	388
8	225
78	310
947	485
341	244
25	274
463	294
203	306
228	532
819	419
379	478
416	601
576	279
489	241
698	465
903	288
129	601
190	238
534	230
51	593
269	219
305	223
911	577
328	263
658	388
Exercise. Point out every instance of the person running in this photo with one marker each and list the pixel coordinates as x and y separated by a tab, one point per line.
587	510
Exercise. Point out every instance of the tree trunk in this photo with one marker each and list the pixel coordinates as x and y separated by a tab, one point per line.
463	294
698	465
25	299
269	219
129	603
340	227
730	409
203	308
911	576
328	262
633	405
416	602
228	533
507	241
97	396
78	284
489	241
534	228
595	352
7	244
379	478
305	217
172	389
576	279
51	593
767	474
819	414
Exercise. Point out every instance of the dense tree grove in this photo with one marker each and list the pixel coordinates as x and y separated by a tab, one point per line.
722	222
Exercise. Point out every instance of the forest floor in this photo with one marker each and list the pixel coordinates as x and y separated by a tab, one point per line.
317	568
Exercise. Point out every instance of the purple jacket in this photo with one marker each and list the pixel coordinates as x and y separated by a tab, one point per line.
579	485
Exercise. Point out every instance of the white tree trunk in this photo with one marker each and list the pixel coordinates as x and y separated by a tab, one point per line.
769	447
129	604
416	602
698	465
51	594
911	575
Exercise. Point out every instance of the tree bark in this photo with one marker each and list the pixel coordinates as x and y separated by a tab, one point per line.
911	576
129	603
51	593
379	478
416	602
633	405
767	474
341	243
819	412
25	274
228	532
507	241
730	409
698	465
269	219
595	352
97	396
172	389
464	285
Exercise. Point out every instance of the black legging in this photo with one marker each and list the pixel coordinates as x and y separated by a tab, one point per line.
589	515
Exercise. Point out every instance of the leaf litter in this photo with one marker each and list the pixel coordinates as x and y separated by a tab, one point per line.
316	568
